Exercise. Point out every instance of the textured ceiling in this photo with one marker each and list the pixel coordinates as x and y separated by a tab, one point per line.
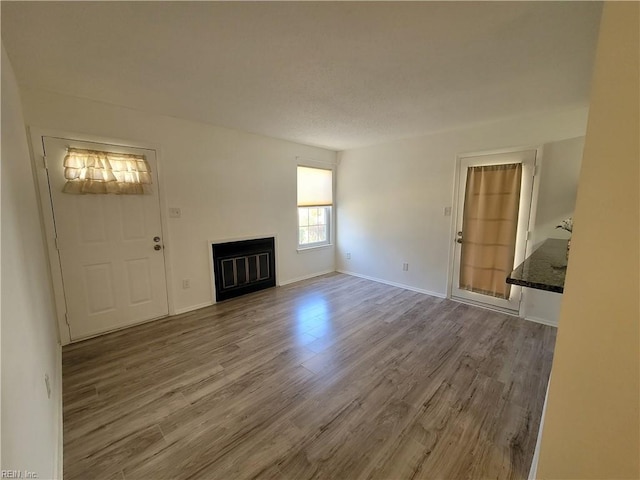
332	74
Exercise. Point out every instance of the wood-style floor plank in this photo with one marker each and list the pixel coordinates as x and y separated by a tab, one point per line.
335	377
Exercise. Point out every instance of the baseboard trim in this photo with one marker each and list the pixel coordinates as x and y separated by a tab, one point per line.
533	470
191	308
394	284
58	463
306	277
543	321
486	306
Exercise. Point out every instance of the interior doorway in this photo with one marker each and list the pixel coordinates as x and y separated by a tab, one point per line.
493	207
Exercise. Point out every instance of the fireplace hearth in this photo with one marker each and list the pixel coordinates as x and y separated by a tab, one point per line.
243	267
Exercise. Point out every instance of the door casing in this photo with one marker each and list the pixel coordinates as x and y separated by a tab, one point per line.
48	226
522	251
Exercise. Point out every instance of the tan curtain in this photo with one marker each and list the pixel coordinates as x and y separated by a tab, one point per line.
489	226
91	171
315	187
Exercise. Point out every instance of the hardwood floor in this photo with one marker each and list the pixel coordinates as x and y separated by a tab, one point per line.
336	377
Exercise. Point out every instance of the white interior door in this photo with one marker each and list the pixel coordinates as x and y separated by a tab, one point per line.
460	289
109	246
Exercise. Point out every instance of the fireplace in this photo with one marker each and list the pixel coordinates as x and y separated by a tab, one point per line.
243	267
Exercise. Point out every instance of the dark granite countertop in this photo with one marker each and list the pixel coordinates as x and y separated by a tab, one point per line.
544	269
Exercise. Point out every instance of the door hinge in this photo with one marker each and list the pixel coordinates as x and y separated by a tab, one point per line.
56	242
536	170
66	319
44	162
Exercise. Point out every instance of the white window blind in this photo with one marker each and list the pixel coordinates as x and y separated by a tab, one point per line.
91	171
315	187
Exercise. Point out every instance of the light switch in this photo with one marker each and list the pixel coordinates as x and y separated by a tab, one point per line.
447	211
175	212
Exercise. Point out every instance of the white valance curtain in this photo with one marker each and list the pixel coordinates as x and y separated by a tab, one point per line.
315	187
92	171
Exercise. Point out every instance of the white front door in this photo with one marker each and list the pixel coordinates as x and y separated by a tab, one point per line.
110	248
505	234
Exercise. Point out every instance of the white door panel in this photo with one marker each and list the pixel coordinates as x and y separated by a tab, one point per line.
112	275
100	294
134	221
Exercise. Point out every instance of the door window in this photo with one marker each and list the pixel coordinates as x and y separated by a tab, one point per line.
489	225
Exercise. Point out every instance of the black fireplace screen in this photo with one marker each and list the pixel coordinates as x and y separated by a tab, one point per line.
243	267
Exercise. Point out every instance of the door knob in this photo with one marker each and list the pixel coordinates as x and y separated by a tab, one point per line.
157	247
156	239
459	240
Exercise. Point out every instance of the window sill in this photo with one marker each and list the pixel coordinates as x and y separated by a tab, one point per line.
314	247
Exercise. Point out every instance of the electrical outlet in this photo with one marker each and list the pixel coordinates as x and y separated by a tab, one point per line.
348	255
175	212
186	283
405	267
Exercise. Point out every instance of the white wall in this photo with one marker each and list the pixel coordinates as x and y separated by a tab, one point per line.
559	172
391	196
592	421
30	350
558	187
228	184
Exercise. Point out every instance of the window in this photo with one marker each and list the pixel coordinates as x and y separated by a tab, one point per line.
315	199
313	226
91	171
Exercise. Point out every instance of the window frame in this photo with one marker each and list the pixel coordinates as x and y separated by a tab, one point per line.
323	243
329	209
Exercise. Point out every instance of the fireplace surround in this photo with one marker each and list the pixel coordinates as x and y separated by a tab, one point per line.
244	266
